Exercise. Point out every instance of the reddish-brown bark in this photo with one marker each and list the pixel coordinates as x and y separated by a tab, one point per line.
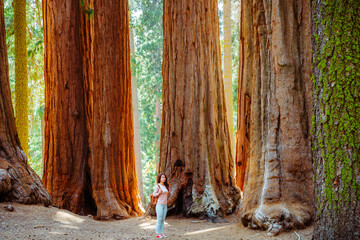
18	182
66	148
112	145
273	159
89	160
195	151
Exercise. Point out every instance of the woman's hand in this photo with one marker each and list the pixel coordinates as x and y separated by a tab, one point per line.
160	192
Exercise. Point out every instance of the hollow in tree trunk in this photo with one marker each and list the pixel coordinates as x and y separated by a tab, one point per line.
273	159
195	150
18	182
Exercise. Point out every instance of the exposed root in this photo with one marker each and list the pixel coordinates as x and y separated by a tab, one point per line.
276	218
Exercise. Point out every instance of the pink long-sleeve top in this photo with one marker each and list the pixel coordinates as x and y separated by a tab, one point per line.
162	196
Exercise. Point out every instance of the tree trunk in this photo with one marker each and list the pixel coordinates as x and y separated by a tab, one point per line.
136	122
112	121
195	151
21	75
158	132
66	143
18	182
336	123
273	147
89	156
228	72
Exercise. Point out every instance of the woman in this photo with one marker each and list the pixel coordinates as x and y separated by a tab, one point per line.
161	191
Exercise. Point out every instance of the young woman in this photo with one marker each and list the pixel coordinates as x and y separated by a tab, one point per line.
161	191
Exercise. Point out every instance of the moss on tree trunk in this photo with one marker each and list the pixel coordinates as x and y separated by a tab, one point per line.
336	120
21	75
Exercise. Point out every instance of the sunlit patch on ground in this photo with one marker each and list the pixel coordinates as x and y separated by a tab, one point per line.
205	230
67	218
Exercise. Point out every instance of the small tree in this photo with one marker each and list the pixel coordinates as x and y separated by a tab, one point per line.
21	75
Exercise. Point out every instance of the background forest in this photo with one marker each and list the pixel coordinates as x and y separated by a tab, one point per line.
146	26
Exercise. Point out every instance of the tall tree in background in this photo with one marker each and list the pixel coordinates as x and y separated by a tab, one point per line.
195	151
228	71
336	122
274	115
35	70
136	120
88	106
18	182
21	75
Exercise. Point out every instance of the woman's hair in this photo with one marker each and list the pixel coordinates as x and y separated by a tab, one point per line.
165	183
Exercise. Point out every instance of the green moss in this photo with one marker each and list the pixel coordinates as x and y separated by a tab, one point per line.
87	8
21	75
338	130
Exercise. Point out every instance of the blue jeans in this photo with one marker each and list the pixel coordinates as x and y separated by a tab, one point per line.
161	210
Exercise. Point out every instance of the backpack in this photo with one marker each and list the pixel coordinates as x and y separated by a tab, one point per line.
154	199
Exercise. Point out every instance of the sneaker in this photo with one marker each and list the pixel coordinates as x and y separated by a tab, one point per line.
163	235
159	236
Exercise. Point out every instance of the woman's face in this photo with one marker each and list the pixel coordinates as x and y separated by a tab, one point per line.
163	179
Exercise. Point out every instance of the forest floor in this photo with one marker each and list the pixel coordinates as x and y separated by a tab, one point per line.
39	222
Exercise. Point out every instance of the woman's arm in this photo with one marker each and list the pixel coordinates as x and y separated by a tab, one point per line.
157	191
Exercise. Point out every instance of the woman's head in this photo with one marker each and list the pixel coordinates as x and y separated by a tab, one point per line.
161	178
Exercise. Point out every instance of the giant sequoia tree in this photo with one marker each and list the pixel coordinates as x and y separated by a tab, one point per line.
195	150
228	71
89	163
336	148
18	182
273	159
66	143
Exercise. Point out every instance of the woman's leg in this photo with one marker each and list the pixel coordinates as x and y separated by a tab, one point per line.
159	215
163	217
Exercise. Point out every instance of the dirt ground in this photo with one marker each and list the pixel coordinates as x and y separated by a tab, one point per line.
38	222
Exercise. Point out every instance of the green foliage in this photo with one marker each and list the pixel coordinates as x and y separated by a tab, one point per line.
235	37
146	22
87	8
337	90
235	41
35	51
